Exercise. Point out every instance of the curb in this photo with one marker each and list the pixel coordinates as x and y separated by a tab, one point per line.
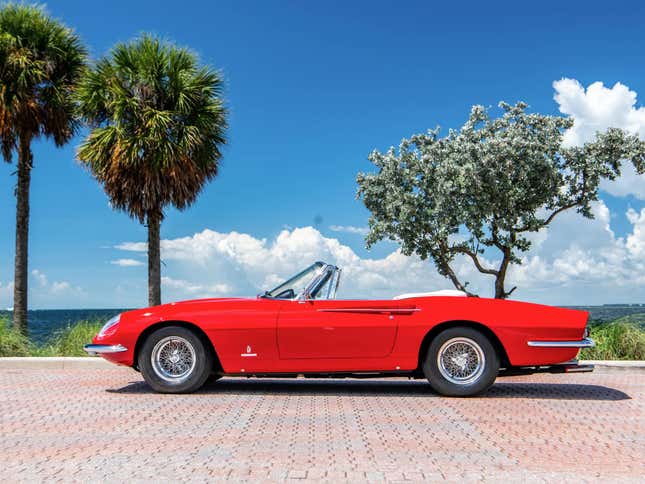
616	365
55	363
97	363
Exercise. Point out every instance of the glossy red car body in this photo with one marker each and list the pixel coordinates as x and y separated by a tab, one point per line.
293	336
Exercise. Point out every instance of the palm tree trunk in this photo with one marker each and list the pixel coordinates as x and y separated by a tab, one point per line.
21	273
154	260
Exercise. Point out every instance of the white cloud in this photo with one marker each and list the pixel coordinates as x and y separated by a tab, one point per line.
182	287
596	109
126	262
40	277
133	246
60	287
44	291
245	265
636	240
593	267
350	229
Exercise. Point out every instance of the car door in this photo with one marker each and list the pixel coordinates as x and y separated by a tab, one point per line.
338	329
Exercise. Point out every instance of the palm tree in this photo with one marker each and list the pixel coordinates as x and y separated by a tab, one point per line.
41	60
157	124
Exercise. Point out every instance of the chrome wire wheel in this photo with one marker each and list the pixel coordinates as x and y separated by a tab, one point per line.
173	359
461	361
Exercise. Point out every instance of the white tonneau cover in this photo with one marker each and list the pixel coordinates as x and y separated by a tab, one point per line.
443	292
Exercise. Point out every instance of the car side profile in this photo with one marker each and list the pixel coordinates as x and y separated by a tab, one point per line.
460	344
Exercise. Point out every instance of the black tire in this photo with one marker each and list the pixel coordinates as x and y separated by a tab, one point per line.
166	376
472	370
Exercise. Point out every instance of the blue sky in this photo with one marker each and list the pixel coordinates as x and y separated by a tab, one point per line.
312	88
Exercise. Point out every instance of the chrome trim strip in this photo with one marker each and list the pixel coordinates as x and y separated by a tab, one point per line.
584	343
94	350
246	355
370	310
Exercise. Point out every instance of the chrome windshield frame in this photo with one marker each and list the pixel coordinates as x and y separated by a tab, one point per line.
322	276
327	270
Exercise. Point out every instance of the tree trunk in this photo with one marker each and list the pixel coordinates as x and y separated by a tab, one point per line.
500	292
21	273
499	288
154	260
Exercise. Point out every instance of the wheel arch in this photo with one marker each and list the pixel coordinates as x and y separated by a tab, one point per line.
435	330
184	324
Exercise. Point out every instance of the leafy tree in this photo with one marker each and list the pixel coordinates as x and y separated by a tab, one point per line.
41	60
487	186
157	124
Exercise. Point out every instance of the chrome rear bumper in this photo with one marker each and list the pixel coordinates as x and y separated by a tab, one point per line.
94	350
583	343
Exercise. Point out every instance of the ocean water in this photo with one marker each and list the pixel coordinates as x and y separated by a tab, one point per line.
45	323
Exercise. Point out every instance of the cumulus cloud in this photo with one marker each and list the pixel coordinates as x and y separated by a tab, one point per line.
595	109
40	278
595	266
126	262
183	287
245	265
44	290
349	229
636	240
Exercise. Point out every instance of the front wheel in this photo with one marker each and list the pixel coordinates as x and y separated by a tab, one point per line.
175	360
460	362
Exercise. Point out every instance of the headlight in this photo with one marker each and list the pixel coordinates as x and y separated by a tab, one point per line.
109	325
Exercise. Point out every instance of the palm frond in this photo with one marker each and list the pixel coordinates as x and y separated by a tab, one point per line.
158	124
41	61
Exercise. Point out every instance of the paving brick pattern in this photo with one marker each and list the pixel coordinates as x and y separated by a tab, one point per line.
89	425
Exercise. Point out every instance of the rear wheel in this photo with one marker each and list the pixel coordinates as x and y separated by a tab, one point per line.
460	362
174	359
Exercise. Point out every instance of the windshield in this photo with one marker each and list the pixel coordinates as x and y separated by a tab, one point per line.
295	285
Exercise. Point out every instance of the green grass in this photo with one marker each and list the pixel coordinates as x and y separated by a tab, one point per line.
622	339
67	342
12	342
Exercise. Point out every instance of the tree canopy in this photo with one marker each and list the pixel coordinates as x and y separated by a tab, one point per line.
157	124
485	187
41	60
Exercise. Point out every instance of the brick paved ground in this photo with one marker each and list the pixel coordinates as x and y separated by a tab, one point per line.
81	425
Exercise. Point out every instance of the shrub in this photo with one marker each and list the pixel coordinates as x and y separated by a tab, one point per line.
70	341
12	341
621	339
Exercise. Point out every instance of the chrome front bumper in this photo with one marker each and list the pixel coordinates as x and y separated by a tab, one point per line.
94	350
583	343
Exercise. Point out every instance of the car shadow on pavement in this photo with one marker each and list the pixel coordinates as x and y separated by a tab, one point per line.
372	388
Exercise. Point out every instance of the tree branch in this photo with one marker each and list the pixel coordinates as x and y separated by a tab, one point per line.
473	256
559	210
445	267
506	294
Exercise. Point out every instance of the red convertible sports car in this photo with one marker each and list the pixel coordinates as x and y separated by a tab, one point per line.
460	344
